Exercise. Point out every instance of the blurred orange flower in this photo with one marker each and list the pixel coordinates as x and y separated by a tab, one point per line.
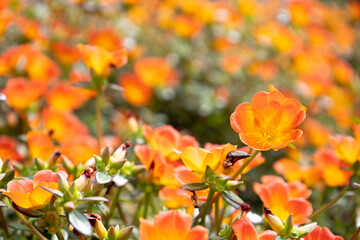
106	38
101	60
347	148
29	194
170	224
40	144
64	96
322	233
269	121
166	139
21	93
63	124
65	53
135	92
80	148
284	199
154	72
175	198
8	149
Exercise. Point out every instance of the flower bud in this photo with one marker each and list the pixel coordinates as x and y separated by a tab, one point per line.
305	230
63	183
53	158
120	153
275	222
124	233
69	206
105	155
82	183
111	233
100	229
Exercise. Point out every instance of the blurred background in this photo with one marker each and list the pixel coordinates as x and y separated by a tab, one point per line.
191	62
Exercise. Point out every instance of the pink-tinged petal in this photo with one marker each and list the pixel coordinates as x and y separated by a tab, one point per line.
245	230
300	208
145	155
267	235
198	233
146	230
267	179
184	175
24	186
242	119
187	141
44	176
322	233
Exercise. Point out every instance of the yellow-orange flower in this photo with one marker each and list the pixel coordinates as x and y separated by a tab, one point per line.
245	230
173	224
8	149
197	159
322	233
347	148
284	198
40	145
29	194
269	121
100	60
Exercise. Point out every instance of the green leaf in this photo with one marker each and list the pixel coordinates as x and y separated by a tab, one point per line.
216	182
95	199
80	223
120	180
102	177
231	198
53	191
19	226
194	186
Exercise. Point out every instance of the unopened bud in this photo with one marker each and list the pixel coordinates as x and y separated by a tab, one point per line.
82	183
124	233
63	183
231	185
68	207
275	222
53	158
305	230
39	164
289	224
100	229
111	233
66	162
6	166
105	155
121	152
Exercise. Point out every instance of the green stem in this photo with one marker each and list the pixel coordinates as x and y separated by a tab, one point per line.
121	214
30	226
355	234
59	235
136	218
146	204
98	119
3	221
217	217
113	205
330	203
205	208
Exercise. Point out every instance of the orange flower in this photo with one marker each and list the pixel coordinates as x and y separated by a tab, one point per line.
135	92
63	124
162	171
175	198
40	145
173	224
106	38
29	194
100	60
66	97
322	233
80	148
245	230
269	121
346	148
331	168
165	139
154	71
197	159
284	199
8	148
67	54
21	93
